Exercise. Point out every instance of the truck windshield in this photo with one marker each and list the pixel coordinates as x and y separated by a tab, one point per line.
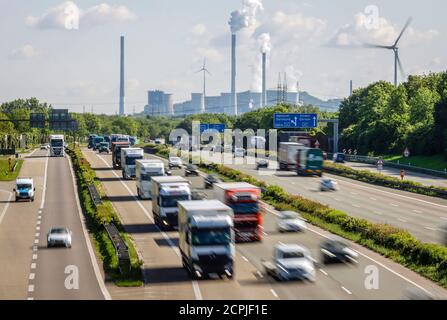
148	176
211	237
244	207
57	143
130	161
171	201
23	186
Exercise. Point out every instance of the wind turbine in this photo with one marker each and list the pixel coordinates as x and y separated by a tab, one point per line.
395	48
205	71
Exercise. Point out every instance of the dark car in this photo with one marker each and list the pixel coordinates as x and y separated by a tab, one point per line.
104	147
335	250
191	170
338	158
262	163
210	180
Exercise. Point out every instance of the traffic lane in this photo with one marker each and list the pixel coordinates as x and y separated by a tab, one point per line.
162	270
244	286
61	273
361	201
17	230
409	175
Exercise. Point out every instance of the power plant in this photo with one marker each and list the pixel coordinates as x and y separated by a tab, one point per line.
121	109
264	80
233	73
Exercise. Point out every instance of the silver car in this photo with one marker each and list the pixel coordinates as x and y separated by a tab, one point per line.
59	237
290	221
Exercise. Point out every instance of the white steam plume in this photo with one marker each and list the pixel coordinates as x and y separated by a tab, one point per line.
265	43
245	17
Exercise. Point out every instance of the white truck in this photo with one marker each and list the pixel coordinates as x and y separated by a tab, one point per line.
166	192
129	157
57	144
206	238
145	171
24	189
287	155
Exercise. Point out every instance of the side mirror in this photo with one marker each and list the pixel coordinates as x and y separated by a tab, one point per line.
34	189
14	190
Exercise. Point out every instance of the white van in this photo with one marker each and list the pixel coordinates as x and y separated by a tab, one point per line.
145	170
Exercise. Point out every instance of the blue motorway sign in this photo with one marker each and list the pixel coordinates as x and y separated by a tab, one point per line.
220	127
295	120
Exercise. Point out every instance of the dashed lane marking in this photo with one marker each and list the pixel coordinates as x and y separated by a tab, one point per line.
32	276
274	293
346	290
245	259
33	265
323	272
31	288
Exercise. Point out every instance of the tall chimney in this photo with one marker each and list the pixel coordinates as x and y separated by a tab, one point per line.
350	87
233	73
121	112
264	80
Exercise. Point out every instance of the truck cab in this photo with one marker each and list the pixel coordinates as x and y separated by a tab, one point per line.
24	189
57	145
129	156
145	171
310	162
167	191
206	238
116	152
97	142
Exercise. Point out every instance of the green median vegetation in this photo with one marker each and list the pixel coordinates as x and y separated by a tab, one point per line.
436	162
98	216
429	260
5	173
384	181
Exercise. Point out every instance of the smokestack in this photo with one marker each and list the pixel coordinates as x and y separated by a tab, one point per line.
350	88
121	112
264	80
233	73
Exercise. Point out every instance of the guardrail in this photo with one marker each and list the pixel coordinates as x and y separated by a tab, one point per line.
94	194
122	251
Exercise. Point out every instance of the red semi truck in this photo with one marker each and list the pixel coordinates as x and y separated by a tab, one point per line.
245	200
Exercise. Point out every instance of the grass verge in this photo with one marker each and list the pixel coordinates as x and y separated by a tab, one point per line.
437	162
5	174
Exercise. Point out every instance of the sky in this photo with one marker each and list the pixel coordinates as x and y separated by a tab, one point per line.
67	52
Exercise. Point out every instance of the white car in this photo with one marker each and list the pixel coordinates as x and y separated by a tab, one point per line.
59	237
328	185
239	152
289	221
175	162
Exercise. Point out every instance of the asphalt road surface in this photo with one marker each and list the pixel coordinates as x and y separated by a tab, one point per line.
165	277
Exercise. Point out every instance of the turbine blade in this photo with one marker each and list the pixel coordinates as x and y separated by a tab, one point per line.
403	31
376	46
401	68
206	70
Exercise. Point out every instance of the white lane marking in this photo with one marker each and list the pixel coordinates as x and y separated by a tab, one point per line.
323	272
260	274
30	298
31	288
354	193
366	256
6	206
274	293
402	220
394	205
379	213
346	290
32	276
265	233
37	228
37	235
195	284
94	262
245	259
393	194
34	248
337	199
34	256
431	229
356	206
417	211
33	265
373	199
443	218
36	241
44	189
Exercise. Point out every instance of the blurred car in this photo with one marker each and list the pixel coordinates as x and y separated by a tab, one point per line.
239	152
338	158
291	262
416	294
210	180
44	146
198	195
336	250
191	170
290	221
59	237
262	163
104	147
328	185
175	162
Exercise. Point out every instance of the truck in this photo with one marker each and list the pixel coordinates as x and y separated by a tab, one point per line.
244	199
24	189
145	171
116	153
304	160
57	145
206	238
91	138
97	142
129	156
166	192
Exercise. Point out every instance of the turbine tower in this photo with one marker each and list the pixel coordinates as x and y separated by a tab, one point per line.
205	71
395	48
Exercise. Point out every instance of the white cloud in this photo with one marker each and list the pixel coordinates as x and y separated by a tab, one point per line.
25	52
69	16
199	30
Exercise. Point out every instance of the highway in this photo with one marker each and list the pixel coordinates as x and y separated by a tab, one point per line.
164	276
29	269
421	215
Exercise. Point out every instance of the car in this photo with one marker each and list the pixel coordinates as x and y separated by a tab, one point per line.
262	163
338	158
198	195
24	189
210	180
103	147
337	250
44	147
291	262
239	152
175	162
191	170
328	185
59	236
290	221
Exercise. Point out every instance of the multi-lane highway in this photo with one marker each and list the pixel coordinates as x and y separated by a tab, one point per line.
31	271
165	278
422	216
